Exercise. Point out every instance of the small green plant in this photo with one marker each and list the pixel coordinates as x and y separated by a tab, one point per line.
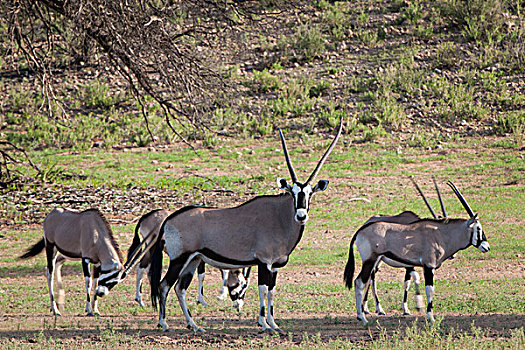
446	55
512	123
413	12
96	94
319	89
265	81
307	43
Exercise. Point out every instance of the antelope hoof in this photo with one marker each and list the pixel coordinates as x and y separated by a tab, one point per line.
363	320
419	309
265	327
280	331
406	313
380	310
139	301
202	302
195	328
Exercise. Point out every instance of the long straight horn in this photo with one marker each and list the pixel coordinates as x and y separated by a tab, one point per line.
138	255
137	251
325	155
287	156
461	199
439	196
424	198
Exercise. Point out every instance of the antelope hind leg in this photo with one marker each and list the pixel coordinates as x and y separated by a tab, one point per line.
180	289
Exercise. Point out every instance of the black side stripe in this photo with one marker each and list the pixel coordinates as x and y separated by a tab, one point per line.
398	259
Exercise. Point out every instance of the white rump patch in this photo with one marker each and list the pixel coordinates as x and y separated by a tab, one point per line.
173	242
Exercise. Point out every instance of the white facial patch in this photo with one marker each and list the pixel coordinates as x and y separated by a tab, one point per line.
484	247
102	291
238	304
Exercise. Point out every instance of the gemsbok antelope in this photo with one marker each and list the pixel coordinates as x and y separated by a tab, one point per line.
263	231
82	235
426	242
147	229
405	217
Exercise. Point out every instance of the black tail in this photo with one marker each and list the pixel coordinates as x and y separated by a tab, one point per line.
155	269
136	241
34	250
350	265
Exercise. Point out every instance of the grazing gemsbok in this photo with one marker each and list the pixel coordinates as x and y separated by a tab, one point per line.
82	235
263	231
402	218
426	242
147	229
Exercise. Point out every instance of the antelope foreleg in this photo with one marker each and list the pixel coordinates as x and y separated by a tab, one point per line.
429	289
406	287
267	279
87	282
419	298
61	298
140	275
95	273
224	289
201	271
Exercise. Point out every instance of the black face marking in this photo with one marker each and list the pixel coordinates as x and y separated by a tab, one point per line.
106	280
301	201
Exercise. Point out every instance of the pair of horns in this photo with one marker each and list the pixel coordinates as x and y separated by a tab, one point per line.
425	199
456	191
461	199
321	162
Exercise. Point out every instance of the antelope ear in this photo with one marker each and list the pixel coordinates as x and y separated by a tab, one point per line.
321	185
283	185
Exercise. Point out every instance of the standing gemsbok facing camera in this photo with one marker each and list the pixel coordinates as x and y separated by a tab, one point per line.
263	231
426	242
